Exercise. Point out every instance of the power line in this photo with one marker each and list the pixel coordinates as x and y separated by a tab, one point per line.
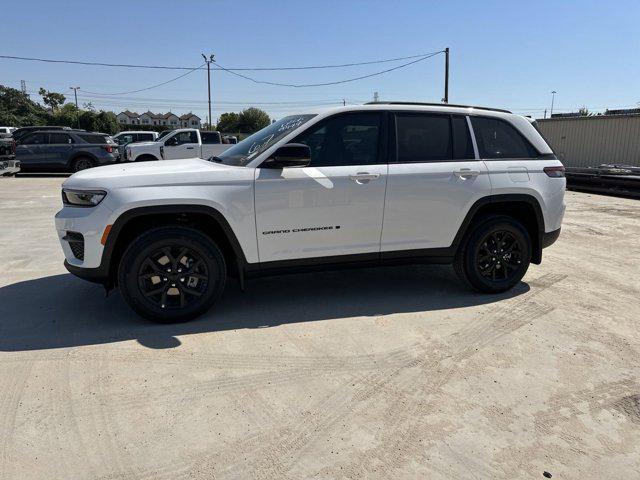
163	67
303	85
152	86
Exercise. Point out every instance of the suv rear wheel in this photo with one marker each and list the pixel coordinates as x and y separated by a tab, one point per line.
172	274
82	163
495	256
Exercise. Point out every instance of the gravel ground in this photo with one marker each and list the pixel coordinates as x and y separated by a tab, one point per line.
376	373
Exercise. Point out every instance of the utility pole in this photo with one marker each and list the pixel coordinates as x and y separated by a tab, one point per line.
375	96
344	102
446	75
208	62
75	94
23	87
553	96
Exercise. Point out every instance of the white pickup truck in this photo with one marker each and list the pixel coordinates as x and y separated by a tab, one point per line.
181	143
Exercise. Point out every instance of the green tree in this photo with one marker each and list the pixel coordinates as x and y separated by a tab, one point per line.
228	122
252	119
18	110
53	99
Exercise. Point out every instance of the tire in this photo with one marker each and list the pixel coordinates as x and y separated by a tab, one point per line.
476	264
154	261
146	158
82	163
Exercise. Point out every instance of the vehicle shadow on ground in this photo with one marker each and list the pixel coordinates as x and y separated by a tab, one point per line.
63	311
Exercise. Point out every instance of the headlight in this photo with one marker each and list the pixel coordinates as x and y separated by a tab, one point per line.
82	198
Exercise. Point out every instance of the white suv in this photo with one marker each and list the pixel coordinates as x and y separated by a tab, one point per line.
383	183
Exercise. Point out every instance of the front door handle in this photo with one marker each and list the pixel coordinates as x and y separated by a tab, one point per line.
465	173
364	177
189	148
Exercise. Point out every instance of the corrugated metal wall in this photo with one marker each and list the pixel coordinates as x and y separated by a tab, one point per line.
592	141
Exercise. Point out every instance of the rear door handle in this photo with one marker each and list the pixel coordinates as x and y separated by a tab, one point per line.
364	177
189	148
465	173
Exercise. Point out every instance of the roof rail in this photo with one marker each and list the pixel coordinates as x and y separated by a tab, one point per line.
440	105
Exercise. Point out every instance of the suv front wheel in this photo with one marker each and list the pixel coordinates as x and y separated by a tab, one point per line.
172	274
495	256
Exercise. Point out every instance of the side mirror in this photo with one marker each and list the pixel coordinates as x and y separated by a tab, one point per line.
290	155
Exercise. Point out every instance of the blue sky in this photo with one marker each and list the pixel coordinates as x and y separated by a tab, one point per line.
507	54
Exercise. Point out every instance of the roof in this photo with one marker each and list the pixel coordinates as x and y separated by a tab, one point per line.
189	115
130	114
439	105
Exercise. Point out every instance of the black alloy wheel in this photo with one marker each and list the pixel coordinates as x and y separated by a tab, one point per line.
495	255
172	274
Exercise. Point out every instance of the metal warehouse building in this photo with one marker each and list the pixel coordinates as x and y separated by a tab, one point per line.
596	140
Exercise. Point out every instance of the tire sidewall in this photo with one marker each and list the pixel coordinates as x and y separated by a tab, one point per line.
471	270
150	242
77	161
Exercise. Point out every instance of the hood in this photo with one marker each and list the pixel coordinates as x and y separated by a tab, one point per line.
162	172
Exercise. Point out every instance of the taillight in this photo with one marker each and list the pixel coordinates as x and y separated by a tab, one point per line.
108	148
554	172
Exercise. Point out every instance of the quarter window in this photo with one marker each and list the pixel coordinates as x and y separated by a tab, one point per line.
344	140
423	138
497	139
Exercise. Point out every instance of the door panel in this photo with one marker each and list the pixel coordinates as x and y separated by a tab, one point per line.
188	146
432	183
427	202
335	205
314	212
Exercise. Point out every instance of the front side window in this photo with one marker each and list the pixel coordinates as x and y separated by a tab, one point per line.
35	139
145	137
351	139
185	137
423	137
497	139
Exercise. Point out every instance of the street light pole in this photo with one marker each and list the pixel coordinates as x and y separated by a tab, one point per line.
553	96
75	94
446	75
208	62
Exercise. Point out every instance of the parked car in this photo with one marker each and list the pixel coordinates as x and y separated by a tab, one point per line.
65	150
181	143
125	138
22	131
8	163
8	130
369	184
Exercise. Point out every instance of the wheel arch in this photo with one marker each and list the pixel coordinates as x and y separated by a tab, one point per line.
80	154
133	222
523	207
146	157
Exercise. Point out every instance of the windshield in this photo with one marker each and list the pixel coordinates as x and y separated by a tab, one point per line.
246	150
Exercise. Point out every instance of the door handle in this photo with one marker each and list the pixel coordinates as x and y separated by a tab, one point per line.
364	177
189	148
465	173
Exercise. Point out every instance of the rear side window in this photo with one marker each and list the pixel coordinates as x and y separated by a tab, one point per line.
351	139
423	138
59	138
92	138
497	139
210	138
145	137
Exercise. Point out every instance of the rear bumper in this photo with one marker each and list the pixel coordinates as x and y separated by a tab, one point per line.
549	238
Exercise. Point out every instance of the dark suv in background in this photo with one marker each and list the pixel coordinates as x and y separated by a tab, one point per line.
65	150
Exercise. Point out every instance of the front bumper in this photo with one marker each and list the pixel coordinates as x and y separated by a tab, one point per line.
89	224
9	167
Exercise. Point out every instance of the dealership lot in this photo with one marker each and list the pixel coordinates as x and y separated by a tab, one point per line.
377	373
